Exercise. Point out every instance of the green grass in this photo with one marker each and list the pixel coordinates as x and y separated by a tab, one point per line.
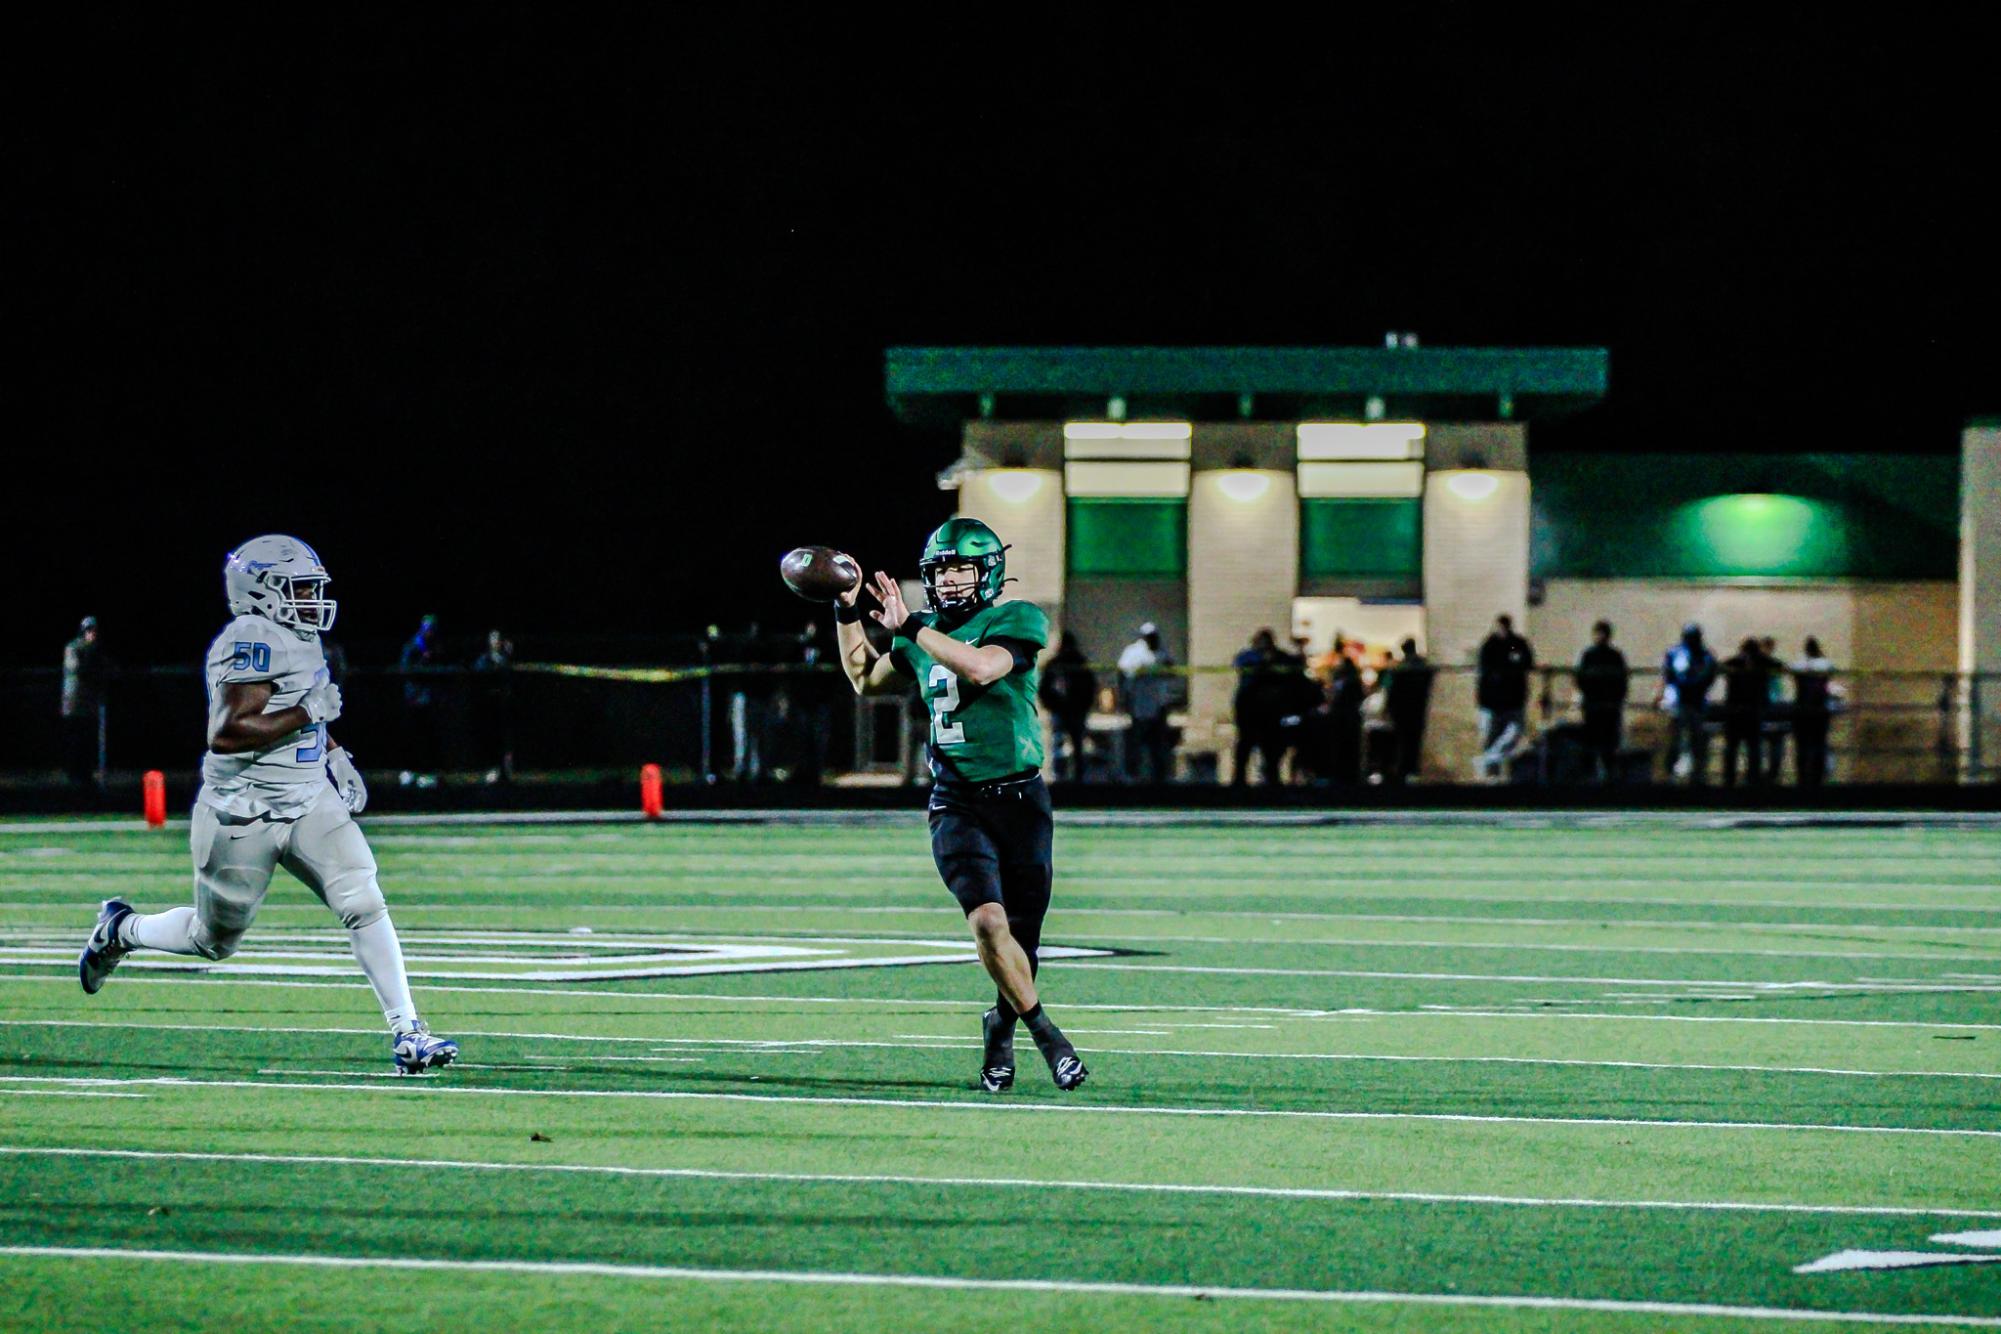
1627	1063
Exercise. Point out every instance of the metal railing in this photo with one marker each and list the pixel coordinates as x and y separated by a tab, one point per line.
802	723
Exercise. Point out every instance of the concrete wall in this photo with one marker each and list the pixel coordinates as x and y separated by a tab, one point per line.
1980	578
1243	569
1026	507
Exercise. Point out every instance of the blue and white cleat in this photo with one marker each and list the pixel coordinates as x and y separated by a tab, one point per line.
417	1051
102	951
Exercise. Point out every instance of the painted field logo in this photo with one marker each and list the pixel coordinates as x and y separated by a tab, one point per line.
1841	1260
579	955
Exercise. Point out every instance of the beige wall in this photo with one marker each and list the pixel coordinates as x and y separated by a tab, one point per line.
1243	569
1863	626
1032	525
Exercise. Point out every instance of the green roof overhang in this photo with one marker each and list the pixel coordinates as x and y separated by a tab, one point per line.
941	385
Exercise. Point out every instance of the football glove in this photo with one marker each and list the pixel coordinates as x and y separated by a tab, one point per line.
322	702
346	780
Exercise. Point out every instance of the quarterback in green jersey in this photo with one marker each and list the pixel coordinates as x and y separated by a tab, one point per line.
972	659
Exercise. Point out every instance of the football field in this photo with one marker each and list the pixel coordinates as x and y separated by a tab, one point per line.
1483	1074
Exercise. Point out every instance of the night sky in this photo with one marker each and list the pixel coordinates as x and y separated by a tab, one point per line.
571	318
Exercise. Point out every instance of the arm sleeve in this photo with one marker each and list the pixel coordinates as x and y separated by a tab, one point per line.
1022	651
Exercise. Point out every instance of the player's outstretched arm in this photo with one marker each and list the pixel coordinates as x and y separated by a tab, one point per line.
869	672
981	664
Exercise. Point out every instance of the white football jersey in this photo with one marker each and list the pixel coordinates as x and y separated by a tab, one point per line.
284	780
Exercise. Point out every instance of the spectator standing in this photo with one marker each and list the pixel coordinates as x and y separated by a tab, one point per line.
1258	706
1778	710
1345	694
1502	694
1746	692
1687	673
1407	699
1603	680
1148	685
813	704
1069	689
86	667
420	704
750	700
493	680
1814	700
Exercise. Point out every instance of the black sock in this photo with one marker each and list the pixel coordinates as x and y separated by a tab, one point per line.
1045	1033
1003	1011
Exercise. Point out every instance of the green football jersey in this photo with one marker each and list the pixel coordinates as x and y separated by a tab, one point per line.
981	733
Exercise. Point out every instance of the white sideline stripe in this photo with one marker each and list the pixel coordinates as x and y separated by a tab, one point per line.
1021	1183
1082	1109
955	1041
951	1283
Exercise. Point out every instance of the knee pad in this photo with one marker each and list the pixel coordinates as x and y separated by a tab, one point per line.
213	942
357	901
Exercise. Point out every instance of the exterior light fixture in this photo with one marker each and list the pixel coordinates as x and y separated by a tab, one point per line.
1015	485
1243	484
1473	486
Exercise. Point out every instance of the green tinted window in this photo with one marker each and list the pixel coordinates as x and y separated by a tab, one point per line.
1361	539
1131	539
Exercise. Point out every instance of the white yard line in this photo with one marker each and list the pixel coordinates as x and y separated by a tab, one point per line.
955	1041
957	1007
433	1086
66	1093
823	1278
999	1183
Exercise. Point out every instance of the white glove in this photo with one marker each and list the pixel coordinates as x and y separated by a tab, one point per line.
322	702
346	780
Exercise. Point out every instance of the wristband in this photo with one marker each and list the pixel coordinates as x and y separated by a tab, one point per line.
911	625
847	613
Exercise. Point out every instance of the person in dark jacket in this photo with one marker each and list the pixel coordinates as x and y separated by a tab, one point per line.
1502	693
1069	691
1262	689
1747	689
1345	694
1813	704
1687	674
1407	699
1603	680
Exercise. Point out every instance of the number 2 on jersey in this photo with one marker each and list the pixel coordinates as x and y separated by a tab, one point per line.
943	732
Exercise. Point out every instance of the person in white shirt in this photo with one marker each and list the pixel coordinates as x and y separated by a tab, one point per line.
1148	690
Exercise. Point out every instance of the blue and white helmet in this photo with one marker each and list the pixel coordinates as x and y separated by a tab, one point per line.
281	579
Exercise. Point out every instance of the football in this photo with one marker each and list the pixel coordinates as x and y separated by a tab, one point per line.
819	574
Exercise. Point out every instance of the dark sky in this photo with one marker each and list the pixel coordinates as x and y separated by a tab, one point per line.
571	316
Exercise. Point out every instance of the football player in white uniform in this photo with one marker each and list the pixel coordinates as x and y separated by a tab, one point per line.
275	792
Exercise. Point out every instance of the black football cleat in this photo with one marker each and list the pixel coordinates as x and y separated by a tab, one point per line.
102	951
1068	1071
997	1064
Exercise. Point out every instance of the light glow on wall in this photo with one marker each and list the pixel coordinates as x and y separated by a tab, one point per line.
1127	431
1015	485
1754	533
1160	478
1471	484
1360	440
1243	484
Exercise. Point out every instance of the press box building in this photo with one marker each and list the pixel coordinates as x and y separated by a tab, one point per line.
1387	492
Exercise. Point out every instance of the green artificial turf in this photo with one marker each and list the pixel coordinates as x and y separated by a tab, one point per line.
1614	1062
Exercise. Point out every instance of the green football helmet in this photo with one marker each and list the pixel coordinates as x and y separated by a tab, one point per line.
964	541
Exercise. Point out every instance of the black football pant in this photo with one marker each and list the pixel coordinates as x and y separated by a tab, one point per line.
993	844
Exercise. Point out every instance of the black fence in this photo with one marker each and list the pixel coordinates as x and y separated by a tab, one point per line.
802	725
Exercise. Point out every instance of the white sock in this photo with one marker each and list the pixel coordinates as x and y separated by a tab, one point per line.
381	957
171	931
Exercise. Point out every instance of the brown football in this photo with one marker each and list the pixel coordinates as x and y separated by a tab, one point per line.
818	574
